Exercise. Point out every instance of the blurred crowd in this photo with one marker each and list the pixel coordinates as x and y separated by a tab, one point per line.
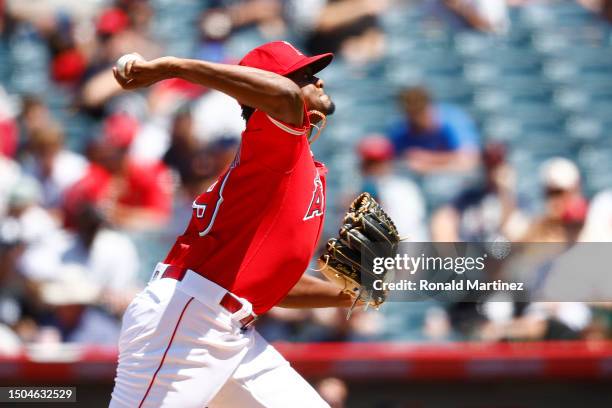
76	208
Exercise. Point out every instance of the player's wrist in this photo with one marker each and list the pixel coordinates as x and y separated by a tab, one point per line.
170	67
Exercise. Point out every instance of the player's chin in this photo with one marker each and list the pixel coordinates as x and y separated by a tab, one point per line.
329	107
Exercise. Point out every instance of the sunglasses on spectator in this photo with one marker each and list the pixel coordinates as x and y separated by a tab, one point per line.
554	192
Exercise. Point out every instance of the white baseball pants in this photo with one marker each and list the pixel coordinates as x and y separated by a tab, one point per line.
180	349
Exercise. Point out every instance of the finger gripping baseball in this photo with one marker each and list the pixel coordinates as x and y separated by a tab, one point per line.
367	233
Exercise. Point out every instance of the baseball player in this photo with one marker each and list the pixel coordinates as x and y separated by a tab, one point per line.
188	340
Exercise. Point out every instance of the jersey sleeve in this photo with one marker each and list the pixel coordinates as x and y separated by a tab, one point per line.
272	143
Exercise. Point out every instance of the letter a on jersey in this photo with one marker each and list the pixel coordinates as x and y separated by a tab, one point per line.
317	204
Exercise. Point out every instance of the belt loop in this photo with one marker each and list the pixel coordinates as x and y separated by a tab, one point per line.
159	270
246	310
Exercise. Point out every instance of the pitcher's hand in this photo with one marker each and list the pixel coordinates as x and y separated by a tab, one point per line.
141	74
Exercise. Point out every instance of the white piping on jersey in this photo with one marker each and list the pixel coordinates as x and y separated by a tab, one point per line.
285	127
219	201
202	207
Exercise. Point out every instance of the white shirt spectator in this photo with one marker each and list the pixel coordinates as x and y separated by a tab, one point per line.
35	223
68	168
405	204
493	12
10	345
152	140
80	9
598	225
217	115
112	262
304	14
575	315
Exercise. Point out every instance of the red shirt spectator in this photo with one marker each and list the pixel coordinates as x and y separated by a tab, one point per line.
139	198
133	195
8	137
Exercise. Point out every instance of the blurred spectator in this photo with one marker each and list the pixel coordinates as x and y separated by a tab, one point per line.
68	66
486	212
216	115
283	324
598	225
13	305
350	27
5	20
53	166
601	7
107	258
118	31
10	174
68	62
24	207
565	206
140	14
157	112
37	10
133	195
10	344
434	137
194	164
224	151
536	321
423	321
72	297
490	16
565	211
186	154
334	391
400	197
266	15
112	21
202	168
35	115
8	127
223	17
215	28
331	325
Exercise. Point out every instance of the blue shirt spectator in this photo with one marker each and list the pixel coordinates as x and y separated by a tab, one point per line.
454	130
434	137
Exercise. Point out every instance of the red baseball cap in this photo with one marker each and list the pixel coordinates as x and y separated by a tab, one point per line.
112	21
376	148
283	58
120	129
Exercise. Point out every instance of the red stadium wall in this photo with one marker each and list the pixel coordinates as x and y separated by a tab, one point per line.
396	374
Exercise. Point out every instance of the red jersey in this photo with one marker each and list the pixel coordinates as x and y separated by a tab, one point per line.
254	231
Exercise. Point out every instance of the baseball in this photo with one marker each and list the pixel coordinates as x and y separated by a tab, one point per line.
123	61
